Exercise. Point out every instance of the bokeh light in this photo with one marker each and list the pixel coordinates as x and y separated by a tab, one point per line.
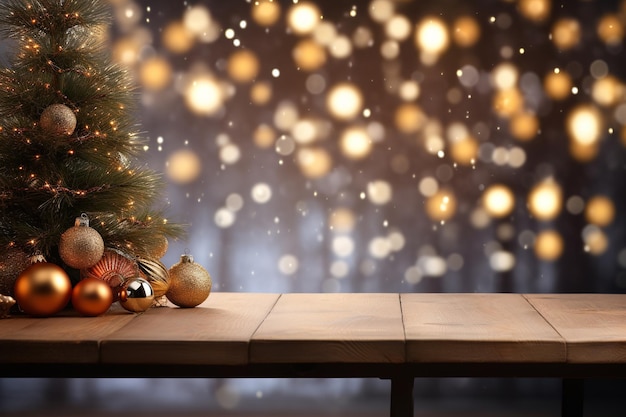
265	12
204	95
548	245
183	166
600	210
243	66
344	101
431	37
498	200
303	17
545	200
441	206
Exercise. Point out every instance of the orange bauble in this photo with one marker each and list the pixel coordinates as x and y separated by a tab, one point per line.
92	297
43	289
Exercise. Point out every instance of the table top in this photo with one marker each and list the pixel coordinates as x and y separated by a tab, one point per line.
252	328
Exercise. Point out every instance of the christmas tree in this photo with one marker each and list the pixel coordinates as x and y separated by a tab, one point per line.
69	147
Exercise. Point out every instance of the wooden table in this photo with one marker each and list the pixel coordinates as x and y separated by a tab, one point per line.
390	336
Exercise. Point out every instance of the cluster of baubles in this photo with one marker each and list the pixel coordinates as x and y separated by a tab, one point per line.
107	276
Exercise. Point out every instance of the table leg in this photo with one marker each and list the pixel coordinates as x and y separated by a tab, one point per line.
572	397
401	397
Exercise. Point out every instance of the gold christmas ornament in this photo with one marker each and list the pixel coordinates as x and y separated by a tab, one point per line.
190	283
43	289
12	263
81	246
114	268
160	247
92	297
137	295
6	302
58	119
156	274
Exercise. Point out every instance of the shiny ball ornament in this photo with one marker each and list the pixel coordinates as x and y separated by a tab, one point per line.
58	119
156	274
43	289
137	295
81	246
190	283
92	297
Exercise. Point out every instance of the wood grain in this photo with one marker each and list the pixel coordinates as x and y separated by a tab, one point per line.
64	338
593	325
217	332
477	328
315	328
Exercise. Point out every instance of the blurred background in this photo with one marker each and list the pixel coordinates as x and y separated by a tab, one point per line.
376	146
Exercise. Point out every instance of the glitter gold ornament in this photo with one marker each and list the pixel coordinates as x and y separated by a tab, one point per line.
156	274
137	295
43	289
58	119
81	246
190	283
12	263
160	247
114	268
92	297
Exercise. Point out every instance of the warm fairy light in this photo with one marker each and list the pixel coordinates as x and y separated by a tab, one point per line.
558	84
197	20
505	76
356	143
607	91
243	66
535	10
183	166
204	96
379	192
125	51
381	10
265	12
584	125
155	73
464	150
342	220
344	101
465	31
409	118
314	162
398	27
566	33
441	206
507	103
177	38
524	126
261	92
431	37
309	55
610	29
545	200
264	136
302	18
600	211
548	245
498	201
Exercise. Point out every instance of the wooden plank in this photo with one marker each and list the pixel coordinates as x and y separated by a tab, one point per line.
477	328
217	332
592	325
329	328
63	338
